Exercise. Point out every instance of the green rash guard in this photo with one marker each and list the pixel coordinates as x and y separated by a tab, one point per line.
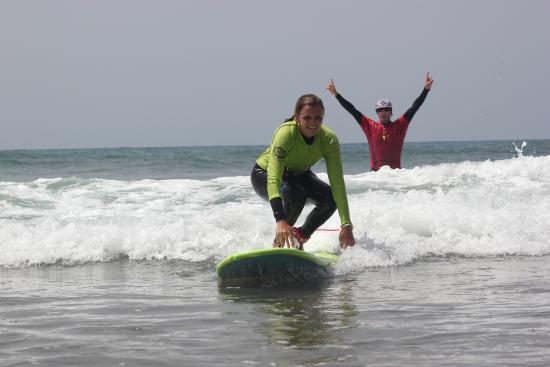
289	151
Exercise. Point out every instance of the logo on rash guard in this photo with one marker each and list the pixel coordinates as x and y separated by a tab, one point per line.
279	153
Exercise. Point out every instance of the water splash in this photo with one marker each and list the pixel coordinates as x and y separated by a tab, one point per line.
488	208
519	151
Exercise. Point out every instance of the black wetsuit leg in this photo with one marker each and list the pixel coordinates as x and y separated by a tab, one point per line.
320	193
296	189
258	178
293	195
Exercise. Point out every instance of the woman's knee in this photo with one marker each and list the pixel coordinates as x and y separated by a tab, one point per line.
327	205
258	178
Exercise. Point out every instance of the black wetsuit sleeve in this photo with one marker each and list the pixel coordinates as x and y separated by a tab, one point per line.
416	105
277	207
350	108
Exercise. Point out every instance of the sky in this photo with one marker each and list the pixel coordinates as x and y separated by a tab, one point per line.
134	73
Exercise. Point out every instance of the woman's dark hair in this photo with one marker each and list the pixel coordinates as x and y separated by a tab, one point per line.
305	100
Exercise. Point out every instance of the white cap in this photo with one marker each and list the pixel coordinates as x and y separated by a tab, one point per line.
383	103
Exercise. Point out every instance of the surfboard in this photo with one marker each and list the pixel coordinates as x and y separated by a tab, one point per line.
274	267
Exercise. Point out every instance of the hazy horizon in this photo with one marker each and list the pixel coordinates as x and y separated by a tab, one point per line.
512	141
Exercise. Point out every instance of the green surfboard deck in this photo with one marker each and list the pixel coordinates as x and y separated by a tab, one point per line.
274	266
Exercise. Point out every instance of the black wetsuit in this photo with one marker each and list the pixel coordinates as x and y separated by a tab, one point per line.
295	190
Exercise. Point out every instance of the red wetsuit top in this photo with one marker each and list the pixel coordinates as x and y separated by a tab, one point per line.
385	141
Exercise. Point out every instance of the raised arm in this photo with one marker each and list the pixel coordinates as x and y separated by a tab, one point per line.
418	102
357	115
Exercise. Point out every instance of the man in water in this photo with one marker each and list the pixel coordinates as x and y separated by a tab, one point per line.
385	137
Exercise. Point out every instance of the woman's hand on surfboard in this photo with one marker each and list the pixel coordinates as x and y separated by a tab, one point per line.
346	237
284	235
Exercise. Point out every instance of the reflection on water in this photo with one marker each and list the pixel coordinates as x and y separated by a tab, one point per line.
305	315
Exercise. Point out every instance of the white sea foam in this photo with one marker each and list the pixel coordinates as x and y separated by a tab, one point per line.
486	208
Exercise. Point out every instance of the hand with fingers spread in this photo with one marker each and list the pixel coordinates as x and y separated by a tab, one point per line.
284	235
332	88
429	81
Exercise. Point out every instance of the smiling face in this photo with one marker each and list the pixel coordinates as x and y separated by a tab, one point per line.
310	119
384	114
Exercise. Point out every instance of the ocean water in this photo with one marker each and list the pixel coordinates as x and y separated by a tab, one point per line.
107	257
